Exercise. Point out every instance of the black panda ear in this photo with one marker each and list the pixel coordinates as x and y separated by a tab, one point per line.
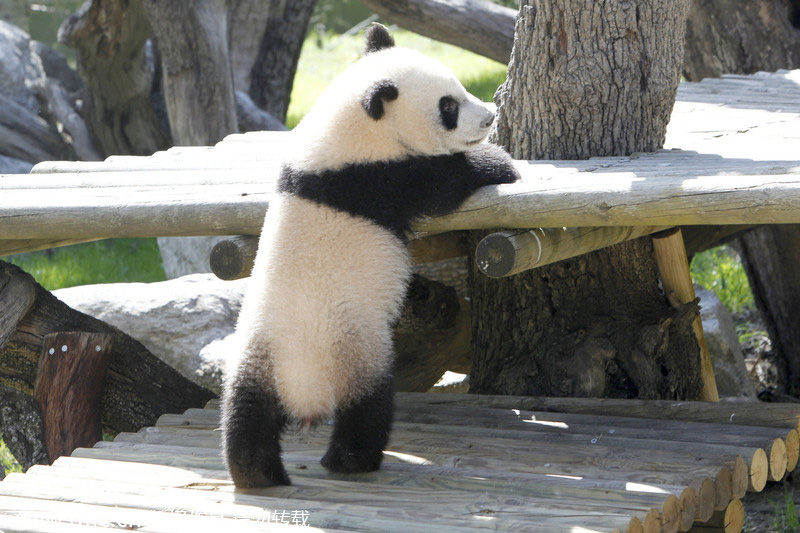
377	93
377	38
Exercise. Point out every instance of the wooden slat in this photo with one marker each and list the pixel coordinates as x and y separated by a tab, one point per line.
620	199
330	507
757	414
450	461
63	511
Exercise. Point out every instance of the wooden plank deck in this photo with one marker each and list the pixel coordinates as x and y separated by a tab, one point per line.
454	463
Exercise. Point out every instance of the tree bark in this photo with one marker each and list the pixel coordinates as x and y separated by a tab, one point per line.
192	37
591	79
139	387
771	255
22	428
587	79
117	66
729	36
477	25
272	73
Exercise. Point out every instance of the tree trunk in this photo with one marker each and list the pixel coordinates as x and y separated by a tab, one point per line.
120	108
192	37
771	255
730	36
724	36
590	79
272	74
584	80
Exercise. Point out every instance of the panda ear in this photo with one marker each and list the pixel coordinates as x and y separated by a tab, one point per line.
377	38
377	93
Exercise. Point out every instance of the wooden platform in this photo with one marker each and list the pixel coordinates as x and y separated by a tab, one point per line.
732	156
454	463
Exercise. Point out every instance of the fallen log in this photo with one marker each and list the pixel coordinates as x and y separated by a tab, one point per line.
479	26
26	136
138	387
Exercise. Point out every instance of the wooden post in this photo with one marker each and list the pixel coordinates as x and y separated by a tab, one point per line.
68	386
673	267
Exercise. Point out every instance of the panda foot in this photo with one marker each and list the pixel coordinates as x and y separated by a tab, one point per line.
343	461
251	478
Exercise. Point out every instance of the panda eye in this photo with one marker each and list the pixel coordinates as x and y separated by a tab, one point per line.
448	112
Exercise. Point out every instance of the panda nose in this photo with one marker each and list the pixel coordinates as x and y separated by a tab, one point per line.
487	121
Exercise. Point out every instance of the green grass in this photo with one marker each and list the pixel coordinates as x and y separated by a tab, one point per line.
322	59
786	517
7	461
720	271
108	261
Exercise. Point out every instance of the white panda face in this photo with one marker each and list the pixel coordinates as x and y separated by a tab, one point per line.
391	104
426	107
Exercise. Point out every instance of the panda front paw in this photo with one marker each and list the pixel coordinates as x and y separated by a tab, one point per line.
343	461
493	164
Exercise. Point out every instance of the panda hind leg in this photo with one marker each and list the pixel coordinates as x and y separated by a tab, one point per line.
361	431
252	422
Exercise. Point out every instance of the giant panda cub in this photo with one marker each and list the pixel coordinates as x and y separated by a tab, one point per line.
394	139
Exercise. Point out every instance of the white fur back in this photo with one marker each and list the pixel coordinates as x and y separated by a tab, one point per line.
326	287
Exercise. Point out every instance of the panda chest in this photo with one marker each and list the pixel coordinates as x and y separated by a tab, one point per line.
334	284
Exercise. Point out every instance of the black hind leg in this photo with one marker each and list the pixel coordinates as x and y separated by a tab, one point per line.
252	422
361	431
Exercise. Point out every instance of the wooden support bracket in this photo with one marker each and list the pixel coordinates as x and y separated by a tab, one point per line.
68	386
673	267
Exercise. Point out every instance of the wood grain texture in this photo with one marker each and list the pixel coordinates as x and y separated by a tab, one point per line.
69	385
673	268
510	252
461	476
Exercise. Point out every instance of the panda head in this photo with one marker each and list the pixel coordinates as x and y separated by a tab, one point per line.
392	104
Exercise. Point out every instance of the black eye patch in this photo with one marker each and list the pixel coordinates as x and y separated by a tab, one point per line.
448	112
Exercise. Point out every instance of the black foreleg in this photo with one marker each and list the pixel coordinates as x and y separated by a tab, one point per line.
252	422
361	431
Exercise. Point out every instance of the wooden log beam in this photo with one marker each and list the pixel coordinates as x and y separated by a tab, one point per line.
673	268
510	252
477	25
728	520
233	258
68	386
211	203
